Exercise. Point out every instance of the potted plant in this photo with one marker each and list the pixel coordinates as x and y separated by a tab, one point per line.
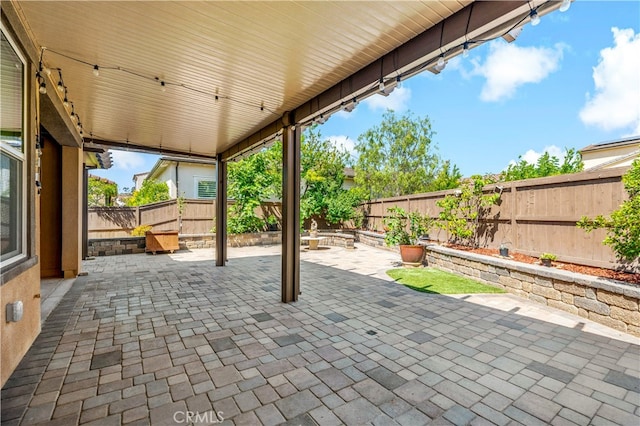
272	223
404	230
504	249
547	258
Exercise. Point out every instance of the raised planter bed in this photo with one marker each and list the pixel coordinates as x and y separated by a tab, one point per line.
609	302
335	239
156	241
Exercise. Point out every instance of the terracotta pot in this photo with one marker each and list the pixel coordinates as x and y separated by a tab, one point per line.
411	253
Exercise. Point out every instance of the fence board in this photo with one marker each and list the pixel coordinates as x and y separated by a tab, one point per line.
198	217
535	215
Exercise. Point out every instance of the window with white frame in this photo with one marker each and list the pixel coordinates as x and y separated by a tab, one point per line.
205	187
12	153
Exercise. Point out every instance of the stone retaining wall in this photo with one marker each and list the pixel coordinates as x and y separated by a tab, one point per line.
113	246
373	239
130	245
608	302
254	239
334	239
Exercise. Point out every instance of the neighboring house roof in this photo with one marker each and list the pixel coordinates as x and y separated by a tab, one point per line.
97	158
349	172
610	154
635	140
102	179
164	162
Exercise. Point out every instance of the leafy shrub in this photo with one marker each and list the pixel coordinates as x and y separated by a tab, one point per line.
396	225
139	231
623	226
461	211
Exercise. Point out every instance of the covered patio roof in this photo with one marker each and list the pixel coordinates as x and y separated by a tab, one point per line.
209	78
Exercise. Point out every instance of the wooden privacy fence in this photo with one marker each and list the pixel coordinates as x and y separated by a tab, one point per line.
534	215
197	218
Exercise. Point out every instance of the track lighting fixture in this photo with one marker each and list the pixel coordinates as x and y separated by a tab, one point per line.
60	83
535	19
441	64
350	106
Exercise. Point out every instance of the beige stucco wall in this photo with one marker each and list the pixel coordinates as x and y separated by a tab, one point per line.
17	336
187	172
593	159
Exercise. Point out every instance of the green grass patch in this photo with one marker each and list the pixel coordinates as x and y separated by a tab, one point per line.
430	280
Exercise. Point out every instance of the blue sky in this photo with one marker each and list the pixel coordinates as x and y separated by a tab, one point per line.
570	81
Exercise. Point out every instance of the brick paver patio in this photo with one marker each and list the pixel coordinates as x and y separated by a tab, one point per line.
171	339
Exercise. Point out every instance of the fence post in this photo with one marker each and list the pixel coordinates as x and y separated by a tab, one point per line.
138	216
514	212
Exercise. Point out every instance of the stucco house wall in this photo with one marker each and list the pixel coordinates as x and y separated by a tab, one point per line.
182	176
612	154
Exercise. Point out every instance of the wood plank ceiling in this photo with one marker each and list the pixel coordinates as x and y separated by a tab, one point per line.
252	54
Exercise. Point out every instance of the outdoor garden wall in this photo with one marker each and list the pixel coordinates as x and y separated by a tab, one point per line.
604	301
130	245
334	239
372	239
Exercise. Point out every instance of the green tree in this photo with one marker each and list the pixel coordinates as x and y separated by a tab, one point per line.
322	175
151	191
447	178
547	165
623	226
101	192
251	181
462	211
397	157
259	177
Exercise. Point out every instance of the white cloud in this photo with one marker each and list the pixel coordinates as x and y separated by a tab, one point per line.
531	156
616	100
343	142
398	100
127	160
509	66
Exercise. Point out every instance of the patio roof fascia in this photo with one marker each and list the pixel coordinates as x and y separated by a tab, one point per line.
483	20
